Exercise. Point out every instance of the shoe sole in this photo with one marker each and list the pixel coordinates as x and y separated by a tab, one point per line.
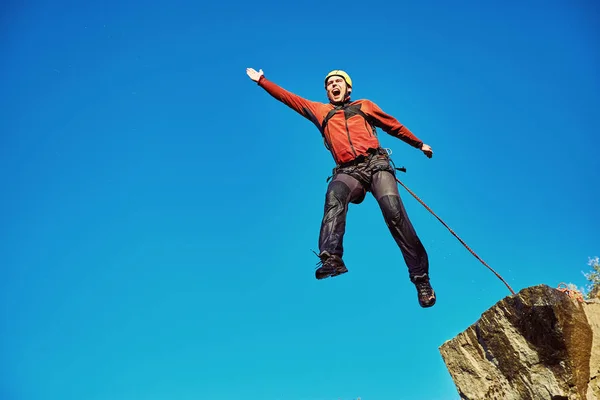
337	273
431	302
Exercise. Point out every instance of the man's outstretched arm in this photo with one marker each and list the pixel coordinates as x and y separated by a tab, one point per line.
393	127
306	108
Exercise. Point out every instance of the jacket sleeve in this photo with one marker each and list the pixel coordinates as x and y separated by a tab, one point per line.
306	108
392	126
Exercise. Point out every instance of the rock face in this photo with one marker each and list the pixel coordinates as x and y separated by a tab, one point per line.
537	344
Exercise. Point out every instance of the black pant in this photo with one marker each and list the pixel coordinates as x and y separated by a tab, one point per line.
349	185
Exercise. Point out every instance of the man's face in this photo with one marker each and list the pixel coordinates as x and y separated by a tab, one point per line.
336	88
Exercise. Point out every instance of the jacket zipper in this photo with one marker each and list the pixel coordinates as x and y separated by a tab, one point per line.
349	140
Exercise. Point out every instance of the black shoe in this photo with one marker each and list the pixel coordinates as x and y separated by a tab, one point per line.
425	292
331	265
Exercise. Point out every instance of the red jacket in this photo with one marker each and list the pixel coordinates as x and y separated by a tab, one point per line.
347	134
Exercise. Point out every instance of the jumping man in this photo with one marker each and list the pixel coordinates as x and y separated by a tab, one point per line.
349	133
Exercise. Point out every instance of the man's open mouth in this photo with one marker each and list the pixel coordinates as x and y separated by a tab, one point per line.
336	92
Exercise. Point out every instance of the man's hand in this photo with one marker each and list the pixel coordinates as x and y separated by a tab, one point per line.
427	150
255	76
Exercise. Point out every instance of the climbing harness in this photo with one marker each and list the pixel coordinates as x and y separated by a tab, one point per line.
572	293
451	231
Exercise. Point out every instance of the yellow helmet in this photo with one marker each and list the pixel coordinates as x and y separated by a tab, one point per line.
339	72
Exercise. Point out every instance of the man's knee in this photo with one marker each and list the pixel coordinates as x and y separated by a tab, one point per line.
392	208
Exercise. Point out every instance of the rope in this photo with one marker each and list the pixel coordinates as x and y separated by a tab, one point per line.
452	232
572	293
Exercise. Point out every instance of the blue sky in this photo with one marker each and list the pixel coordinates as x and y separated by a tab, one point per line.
159	209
